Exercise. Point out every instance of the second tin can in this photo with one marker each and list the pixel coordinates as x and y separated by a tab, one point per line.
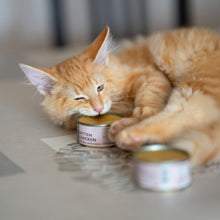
162	168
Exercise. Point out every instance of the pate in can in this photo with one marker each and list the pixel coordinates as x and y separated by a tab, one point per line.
93	131
162	168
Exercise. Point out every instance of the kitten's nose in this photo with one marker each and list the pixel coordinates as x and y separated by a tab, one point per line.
99	110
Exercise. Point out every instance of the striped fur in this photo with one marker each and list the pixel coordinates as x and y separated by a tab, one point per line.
167	85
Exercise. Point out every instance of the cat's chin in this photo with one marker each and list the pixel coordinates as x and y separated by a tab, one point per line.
89	113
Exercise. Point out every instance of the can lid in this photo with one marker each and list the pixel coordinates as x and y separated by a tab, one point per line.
157	153
100	120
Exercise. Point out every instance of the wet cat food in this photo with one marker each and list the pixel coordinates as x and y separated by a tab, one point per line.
93	131
162	168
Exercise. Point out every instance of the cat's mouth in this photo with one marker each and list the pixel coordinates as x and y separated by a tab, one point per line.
101	112
94	111
91	112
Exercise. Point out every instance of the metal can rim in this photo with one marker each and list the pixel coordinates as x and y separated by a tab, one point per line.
157	147
99	125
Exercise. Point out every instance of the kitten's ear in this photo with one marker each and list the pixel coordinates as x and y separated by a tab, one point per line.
98	50
38	77
102	53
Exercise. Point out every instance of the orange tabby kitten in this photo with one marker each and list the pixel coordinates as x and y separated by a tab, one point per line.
168	86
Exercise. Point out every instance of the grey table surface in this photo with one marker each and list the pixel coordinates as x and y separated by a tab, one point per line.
32	185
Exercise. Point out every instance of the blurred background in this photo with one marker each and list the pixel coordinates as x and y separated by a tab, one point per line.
43	32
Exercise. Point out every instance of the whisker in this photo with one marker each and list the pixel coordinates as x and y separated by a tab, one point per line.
27	83
116	107
35	93
122	103
119	101
119	98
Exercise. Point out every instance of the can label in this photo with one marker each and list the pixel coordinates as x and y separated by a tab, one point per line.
163	177
93	136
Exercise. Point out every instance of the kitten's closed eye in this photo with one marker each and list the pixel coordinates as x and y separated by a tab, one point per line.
79	98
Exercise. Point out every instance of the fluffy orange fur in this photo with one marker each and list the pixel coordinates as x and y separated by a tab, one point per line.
167	85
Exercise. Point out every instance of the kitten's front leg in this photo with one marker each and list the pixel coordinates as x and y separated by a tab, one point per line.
119	125
151	93
185	111
151	90
160	127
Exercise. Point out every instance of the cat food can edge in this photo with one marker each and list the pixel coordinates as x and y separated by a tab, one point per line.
164	176
94	135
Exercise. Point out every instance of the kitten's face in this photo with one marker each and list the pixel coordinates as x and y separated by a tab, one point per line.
84	85
77	85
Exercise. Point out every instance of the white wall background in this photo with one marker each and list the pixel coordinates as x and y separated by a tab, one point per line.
27	24
24	23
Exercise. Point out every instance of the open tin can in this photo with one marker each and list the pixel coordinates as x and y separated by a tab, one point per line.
93	131
162	168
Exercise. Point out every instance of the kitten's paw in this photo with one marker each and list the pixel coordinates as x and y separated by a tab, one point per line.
119	125
132	139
